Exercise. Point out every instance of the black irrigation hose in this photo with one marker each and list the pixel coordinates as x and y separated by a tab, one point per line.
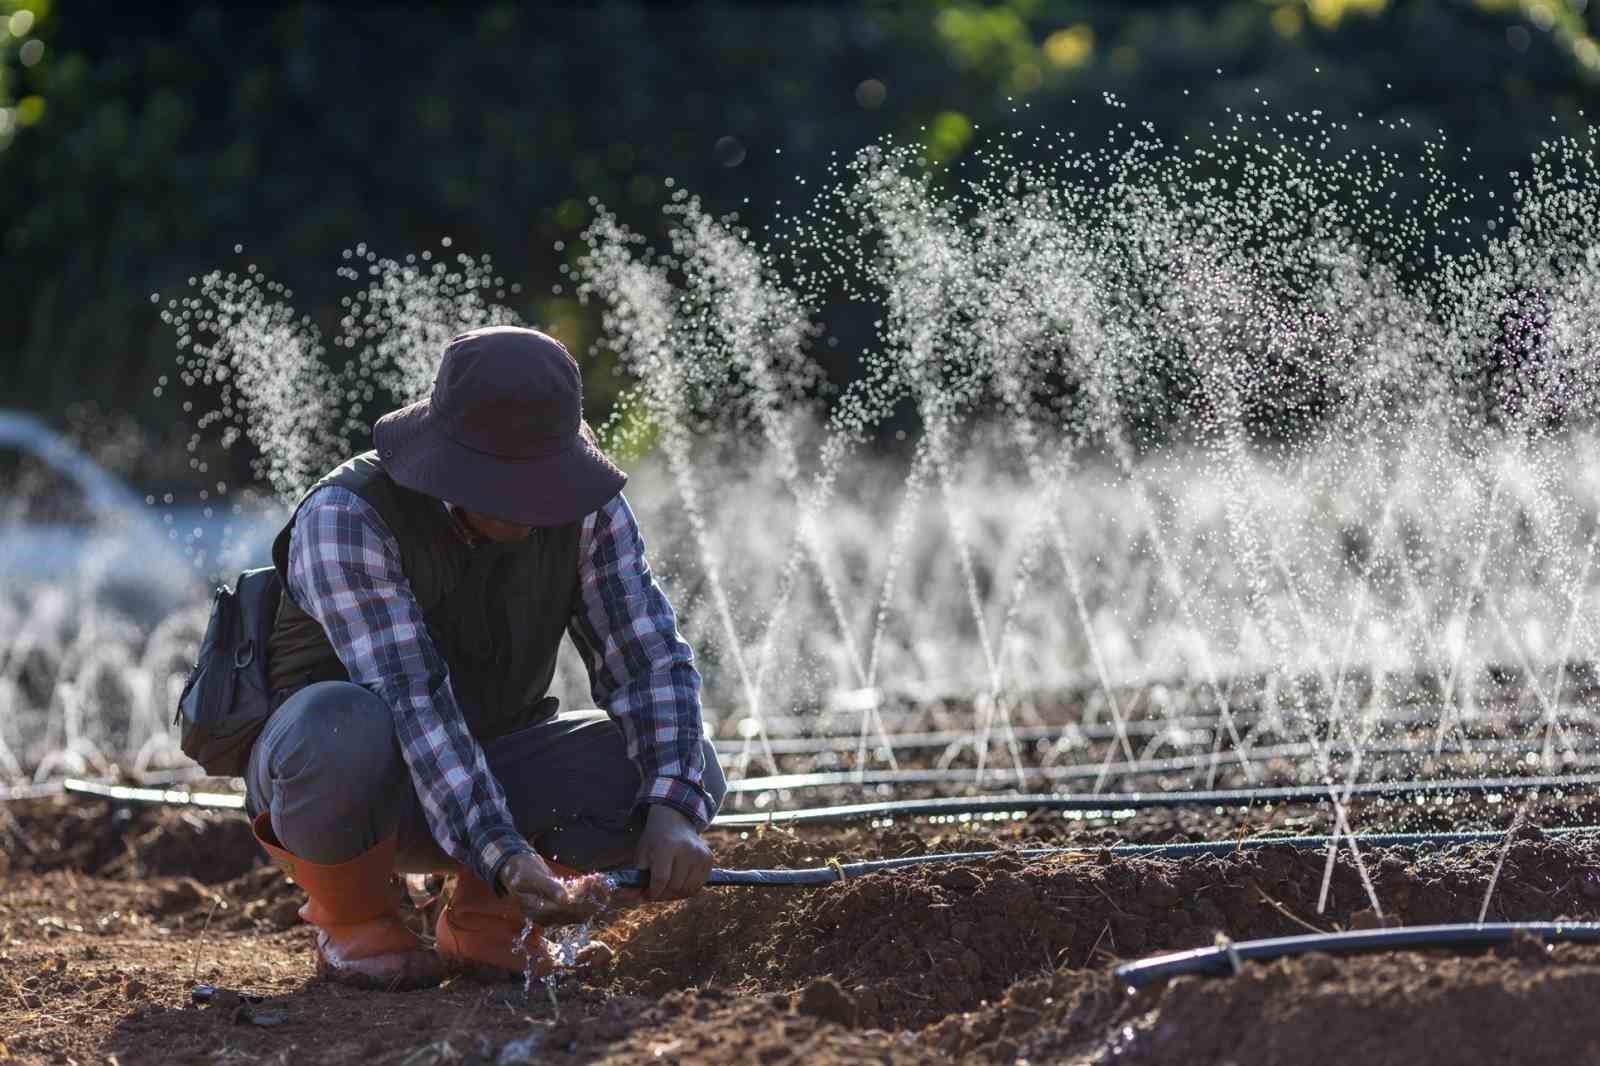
827	875
824	875
1131	801
733	747
1143	768
844	778
938	738
165	797
1226	958
957	805
46	789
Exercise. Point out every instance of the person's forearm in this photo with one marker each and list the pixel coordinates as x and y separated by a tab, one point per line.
463	803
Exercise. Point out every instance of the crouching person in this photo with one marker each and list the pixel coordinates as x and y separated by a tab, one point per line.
428	585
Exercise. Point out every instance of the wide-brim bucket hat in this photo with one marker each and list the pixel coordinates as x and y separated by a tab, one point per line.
502	433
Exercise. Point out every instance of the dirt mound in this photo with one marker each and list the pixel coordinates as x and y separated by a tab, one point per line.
1524	1003
908	948
1053	1016
1487	1009
131	843
915	945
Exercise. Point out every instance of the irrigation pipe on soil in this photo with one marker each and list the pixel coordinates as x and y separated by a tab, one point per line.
823	745
1224	959
1133	801
846	871
959	805
831	743
1143	768
845	778
826	875
164	797
46	789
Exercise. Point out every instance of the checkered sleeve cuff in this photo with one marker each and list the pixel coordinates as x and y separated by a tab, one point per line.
491	847
685	797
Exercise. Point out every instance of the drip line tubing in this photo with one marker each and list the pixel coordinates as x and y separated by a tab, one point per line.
1142	768
166	797
846	778
1224	959
732	747
846	871
959	805
794	745
941	738
1133	801
1098	730
46	789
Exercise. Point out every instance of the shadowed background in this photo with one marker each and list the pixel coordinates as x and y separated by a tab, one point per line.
137	148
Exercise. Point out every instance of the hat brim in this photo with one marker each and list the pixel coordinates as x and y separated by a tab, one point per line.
545	491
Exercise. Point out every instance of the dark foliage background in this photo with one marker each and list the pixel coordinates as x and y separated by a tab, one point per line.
139	146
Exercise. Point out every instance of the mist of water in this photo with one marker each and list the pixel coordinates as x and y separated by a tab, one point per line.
1227	430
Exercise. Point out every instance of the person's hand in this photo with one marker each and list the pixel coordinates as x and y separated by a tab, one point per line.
548	900
671	849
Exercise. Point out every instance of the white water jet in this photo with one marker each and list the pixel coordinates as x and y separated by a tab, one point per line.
1220	431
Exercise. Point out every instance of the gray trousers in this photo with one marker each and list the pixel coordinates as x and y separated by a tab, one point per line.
328	767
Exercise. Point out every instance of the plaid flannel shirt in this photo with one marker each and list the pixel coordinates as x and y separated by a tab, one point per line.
344	570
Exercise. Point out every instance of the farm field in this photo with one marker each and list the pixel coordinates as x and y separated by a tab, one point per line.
1197	550
110	918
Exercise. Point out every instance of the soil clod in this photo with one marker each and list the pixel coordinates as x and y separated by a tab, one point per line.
823	998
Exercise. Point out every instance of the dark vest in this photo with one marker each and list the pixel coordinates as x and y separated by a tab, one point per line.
496	612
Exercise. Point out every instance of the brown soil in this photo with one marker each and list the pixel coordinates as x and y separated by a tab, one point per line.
1529	1007
1529	1004
107	922
97	838
914	945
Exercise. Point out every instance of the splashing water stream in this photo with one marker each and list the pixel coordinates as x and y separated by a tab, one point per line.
1517	822
562	950
1222	431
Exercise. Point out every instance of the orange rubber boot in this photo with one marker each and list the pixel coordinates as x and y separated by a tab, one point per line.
361	939
478	930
